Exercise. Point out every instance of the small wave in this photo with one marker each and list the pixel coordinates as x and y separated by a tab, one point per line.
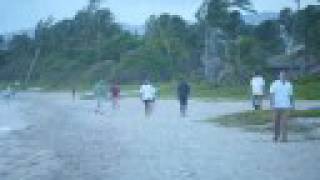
5	130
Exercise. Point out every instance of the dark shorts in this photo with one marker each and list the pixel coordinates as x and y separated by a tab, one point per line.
146	102
183	101
257	100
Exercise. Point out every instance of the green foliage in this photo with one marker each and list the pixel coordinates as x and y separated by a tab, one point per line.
308	88
287	19
312	31
204	90
217	12
245	119
259	117
251	52
143	63
164	54
92	45
268	36
304	26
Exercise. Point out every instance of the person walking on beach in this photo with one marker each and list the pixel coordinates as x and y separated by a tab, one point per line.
282	102
257	89
115	95
100	93
73	94
183	92
8	94
147	95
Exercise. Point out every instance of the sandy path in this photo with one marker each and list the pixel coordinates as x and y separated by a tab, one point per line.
63	141
168	147
66	141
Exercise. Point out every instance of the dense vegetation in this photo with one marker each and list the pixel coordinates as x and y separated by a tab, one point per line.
92	46
259	120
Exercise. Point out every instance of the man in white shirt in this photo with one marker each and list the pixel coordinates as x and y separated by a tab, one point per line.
147	95
257	87
282	102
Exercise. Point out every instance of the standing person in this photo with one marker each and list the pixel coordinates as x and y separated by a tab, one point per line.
115	95
147	95
100	93
73	94
282	102
257	89
8	94
183	92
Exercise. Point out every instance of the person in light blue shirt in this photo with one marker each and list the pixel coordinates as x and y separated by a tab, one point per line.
100	93
282	102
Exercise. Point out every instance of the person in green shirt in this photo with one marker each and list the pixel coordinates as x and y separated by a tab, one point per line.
100	93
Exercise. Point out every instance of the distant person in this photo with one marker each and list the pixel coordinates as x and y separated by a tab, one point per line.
183	92
100	93
257	84
115	94
8	94
73	93
17	86
282	102
147	95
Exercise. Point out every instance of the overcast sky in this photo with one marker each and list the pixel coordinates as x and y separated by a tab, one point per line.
24	14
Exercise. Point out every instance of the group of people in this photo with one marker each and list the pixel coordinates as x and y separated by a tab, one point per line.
280	91
281	101
101	93
147	92
281	98
148	95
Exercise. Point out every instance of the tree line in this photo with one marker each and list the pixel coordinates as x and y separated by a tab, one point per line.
92	46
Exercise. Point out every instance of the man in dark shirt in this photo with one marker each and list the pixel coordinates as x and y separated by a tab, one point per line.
183	92
73	93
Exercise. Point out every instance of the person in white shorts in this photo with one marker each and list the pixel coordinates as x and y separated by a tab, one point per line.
147	95
282	102
257	88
